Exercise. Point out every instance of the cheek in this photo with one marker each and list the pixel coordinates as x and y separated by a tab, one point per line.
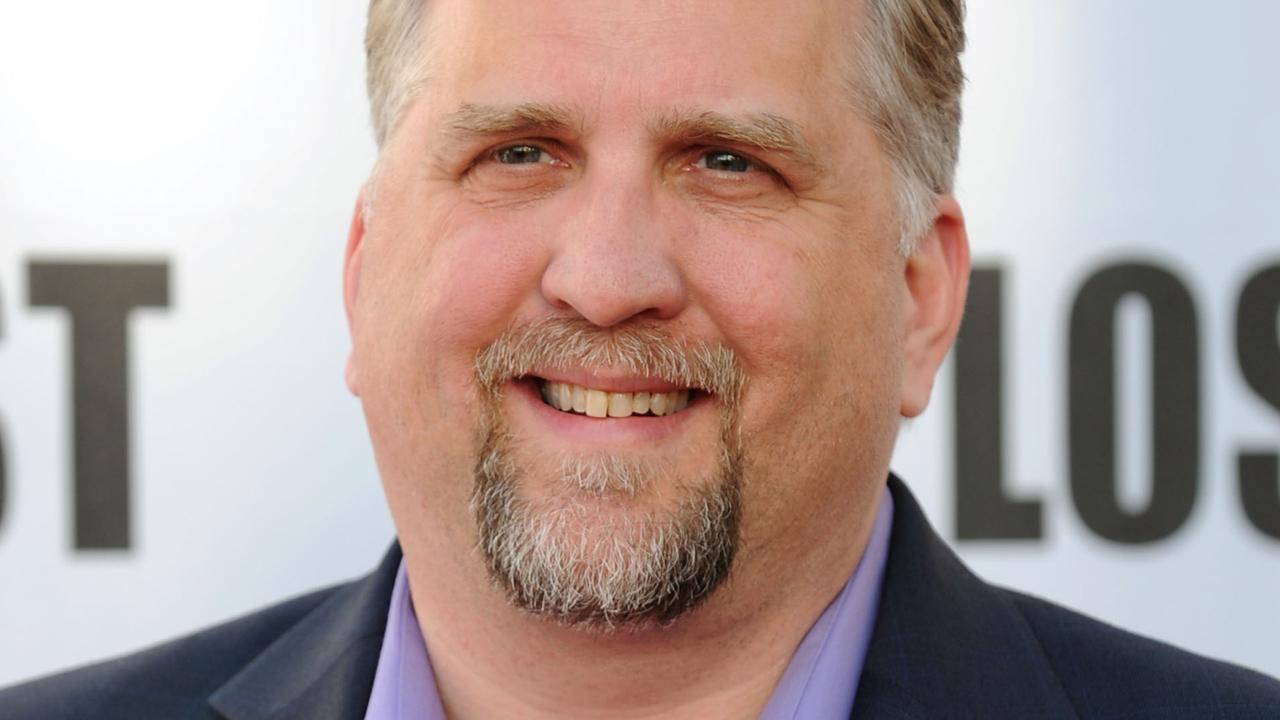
812	309
487	268
765	292
441	283
815	323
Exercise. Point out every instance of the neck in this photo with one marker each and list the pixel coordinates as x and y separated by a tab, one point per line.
720	660
557	672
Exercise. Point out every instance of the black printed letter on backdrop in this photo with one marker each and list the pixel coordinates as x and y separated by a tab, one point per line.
1258	352
1175	411
983	510
99	297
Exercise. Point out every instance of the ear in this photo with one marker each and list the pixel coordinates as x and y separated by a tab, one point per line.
937	278
351	284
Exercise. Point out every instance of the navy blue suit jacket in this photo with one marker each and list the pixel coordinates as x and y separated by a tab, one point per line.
945	645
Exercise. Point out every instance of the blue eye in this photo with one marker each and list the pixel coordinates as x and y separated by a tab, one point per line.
519	155
724	161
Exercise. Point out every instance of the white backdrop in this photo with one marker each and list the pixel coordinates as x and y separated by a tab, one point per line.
228	141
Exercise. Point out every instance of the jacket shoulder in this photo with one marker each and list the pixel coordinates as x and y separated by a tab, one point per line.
171	680
1108	672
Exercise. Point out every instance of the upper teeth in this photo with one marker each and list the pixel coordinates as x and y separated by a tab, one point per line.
599	403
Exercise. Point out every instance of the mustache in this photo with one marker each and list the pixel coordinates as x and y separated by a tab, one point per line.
641	348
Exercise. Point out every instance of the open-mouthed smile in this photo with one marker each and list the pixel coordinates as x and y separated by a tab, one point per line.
582	400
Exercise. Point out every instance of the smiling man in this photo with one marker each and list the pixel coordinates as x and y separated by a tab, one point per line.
632	315
639	294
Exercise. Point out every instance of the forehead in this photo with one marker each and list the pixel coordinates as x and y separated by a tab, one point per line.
624	57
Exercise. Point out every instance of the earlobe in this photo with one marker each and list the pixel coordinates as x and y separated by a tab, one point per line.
937	279
351	285
349	374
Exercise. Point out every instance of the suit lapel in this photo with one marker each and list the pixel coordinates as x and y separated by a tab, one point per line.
945	643
323	666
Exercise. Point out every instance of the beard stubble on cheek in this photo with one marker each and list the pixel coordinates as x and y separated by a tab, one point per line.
589	555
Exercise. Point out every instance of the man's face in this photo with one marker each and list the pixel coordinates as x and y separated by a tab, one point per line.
631	197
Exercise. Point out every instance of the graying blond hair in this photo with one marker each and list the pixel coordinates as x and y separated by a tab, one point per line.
907	82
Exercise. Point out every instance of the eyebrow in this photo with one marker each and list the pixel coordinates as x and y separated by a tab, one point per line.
766	131
471	119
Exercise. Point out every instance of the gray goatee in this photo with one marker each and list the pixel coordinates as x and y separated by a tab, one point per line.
560	557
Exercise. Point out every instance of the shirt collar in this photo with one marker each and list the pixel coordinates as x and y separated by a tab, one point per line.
404	685
822	678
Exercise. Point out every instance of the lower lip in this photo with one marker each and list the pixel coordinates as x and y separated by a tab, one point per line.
636	429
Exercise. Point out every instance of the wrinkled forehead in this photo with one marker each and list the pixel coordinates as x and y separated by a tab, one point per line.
632	57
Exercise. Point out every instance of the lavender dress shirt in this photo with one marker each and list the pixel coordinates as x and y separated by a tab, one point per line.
819	683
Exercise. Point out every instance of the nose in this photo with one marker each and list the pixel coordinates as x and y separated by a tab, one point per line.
613	257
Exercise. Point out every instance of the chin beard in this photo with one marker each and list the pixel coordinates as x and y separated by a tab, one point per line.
587	557
564	559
